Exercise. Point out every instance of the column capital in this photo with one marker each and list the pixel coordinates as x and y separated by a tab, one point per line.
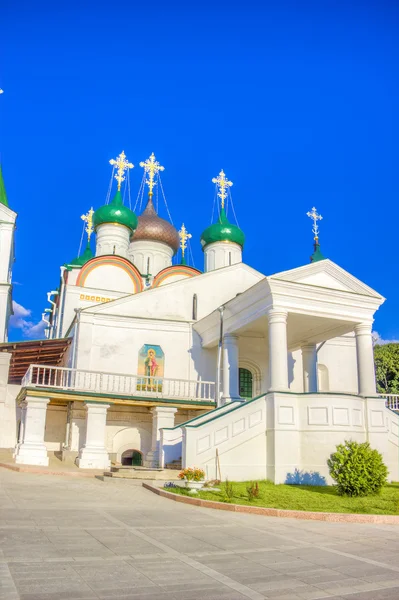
277	315
96	406
169	410
363	328
308	347
35	401
230	337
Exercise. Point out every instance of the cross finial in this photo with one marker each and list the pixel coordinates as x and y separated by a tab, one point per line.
223	185
88	219
184	236
313	214
122	164
151	168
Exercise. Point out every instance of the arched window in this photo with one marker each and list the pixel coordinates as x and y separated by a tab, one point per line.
245	383
195	305
229	259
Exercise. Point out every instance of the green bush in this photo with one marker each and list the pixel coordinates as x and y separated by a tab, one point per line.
357	469
227	491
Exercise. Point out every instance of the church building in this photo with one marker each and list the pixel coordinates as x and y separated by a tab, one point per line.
149	361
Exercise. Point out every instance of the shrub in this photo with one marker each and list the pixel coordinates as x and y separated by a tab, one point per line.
253	490
228	491
357	469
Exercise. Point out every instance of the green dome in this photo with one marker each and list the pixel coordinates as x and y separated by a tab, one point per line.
222	231
83	259
115	212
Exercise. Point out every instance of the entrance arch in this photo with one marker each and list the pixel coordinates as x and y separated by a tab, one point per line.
249	379
132	457
245	383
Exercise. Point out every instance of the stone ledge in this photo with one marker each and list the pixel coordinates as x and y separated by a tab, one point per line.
277	512
47	471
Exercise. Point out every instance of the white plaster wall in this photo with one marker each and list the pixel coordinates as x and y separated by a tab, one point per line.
112	238
221	254
110	277
54	433
339	356
9	415
157	254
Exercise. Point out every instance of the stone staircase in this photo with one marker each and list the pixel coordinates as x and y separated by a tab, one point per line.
174	465
129	472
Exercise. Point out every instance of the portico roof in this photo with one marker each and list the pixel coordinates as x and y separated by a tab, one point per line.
39	352
322	300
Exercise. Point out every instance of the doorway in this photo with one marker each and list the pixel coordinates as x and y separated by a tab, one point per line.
132	458
245	383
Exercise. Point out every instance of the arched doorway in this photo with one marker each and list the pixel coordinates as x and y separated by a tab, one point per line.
245	383
132	458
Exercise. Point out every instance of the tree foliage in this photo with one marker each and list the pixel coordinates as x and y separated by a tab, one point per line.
386	359
357	469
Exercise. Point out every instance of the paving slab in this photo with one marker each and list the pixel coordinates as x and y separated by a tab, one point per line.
79	538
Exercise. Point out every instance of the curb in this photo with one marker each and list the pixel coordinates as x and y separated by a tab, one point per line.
44	471
277	512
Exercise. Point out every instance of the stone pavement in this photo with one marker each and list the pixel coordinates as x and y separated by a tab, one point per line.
68	538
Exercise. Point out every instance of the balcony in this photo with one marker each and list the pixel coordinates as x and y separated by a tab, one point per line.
138	386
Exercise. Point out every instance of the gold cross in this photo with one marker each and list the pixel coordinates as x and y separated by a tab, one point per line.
313	214
184	236
88	219
223	185
122	165
151	168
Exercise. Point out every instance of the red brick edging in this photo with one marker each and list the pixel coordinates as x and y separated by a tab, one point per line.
276	512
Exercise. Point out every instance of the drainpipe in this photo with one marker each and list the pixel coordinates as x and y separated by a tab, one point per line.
76	339
53	310
219	359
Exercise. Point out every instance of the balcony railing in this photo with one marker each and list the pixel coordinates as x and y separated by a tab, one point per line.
121	385
391	401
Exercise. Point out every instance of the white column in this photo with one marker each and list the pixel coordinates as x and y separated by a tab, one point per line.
278	351
309	366
31	449
162	416
93	454
365	360
231	391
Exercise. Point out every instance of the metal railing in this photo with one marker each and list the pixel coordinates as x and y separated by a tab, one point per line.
120	385
391	401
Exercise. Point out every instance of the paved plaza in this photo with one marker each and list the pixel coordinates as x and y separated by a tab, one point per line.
75	538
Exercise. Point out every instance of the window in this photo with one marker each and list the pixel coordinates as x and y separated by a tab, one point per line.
195	305
245	383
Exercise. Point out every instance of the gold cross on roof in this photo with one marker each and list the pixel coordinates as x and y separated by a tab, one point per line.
223	185
88	219
122	164
184	237
151	168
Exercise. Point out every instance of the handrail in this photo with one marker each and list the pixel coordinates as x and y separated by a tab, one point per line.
391	401
117	383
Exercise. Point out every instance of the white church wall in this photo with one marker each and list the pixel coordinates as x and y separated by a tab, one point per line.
55	428
339	359
9	415
150	257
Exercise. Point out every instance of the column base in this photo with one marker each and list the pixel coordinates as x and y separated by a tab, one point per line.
93	458
228	399
152	459
31	454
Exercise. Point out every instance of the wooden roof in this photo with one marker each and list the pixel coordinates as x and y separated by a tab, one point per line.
33	352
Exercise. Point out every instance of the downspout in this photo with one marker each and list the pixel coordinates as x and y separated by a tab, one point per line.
76	338
219	359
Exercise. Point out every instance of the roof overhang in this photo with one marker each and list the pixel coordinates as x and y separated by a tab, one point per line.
36	352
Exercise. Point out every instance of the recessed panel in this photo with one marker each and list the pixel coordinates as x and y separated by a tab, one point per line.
286	415
317	415
238	426
221	435
255	418
341	416
377	418
203	444
357	417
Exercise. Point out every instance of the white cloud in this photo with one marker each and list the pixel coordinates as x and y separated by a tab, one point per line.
379	341
21	319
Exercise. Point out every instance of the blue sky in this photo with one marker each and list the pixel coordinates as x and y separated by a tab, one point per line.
296	101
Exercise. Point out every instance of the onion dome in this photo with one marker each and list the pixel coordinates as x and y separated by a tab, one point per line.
152	228
222	231
115	212
83	259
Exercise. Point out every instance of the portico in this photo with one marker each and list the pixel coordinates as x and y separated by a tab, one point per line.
296	316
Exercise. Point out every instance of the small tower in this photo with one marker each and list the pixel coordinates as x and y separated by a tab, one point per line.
317	255
114	223
7	228
155	241
222	242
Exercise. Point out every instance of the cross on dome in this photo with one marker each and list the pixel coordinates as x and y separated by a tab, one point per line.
184	237
88	219
151	168
223	185
313	214
122	164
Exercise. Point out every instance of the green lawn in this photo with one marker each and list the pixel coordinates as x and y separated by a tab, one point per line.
302	497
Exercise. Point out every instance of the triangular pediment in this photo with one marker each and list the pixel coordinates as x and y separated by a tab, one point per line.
326	274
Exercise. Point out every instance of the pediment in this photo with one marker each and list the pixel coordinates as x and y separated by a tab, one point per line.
326	274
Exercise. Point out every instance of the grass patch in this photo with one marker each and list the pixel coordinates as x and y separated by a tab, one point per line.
305	497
